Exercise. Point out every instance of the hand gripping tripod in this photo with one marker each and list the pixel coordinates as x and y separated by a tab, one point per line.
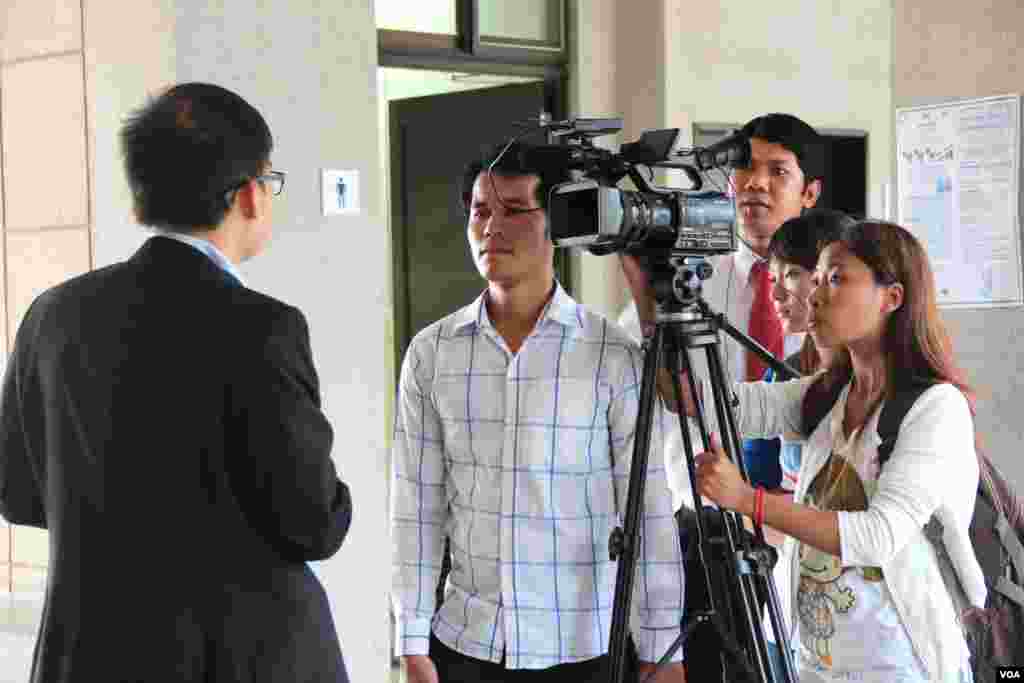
684	322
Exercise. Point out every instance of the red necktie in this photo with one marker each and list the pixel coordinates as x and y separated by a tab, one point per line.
765	327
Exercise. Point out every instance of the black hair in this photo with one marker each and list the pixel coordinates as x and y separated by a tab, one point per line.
518	160
796	136
799	240
186	148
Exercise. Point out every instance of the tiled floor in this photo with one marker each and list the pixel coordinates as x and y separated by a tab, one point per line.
15	656
18	622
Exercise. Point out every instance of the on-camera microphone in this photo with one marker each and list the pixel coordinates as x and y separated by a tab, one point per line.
559	159
548	158
732	151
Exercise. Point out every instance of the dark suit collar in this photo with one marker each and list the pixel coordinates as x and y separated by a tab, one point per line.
183	259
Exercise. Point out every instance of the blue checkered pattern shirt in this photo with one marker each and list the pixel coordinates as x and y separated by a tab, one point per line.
523	461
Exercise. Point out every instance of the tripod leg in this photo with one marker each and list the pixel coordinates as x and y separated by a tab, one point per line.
765	580
676	351
709	544
737	541
698	505
627	554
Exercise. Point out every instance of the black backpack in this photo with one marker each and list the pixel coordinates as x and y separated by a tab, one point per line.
995	634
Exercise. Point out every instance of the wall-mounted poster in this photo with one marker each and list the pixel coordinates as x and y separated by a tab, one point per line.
958	173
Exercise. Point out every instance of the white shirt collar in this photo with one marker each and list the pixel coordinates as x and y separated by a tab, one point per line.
208	248
745	258
560	308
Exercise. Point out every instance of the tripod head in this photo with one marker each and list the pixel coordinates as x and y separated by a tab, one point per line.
677	279
677	282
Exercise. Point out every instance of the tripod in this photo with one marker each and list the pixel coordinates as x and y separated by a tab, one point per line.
685	321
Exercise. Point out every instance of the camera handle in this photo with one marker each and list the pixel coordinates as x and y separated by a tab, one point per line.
749	573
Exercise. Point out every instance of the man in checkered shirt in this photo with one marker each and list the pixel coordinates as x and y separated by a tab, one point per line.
513	438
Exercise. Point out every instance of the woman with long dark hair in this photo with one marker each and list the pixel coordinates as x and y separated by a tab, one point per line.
864	590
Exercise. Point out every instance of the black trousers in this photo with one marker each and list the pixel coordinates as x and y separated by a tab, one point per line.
455	667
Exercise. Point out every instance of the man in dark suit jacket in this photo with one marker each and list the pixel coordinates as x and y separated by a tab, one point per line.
163	422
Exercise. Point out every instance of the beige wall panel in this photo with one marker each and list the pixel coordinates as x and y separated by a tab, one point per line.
1	173
44	143
123	68
37	260
3	288
5	584
3	308
5	545
950	50
30	546
29	580
29	28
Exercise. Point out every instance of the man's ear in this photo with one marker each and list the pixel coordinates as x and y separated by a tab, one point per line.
247	199
812	191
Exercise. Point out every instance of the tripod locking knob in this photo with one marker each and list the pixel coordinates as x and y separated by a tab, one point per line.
616	543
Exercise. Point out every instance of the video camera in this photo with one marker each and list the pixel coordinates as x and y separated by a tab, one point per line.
593	212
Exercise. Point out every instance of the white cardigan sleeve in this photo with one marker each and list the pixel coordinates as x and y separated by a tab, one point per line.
768	409
932	459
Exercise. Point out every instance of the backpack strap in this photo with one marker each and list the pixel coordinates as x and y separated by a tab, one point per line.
1012	544
821	408
1010	590
894	410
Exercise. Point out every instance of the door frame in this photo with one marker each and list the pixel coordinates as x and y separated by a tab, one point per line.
398	221
436	52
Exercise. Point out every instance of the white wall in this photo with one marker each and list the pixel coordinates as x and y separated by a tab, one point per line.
310	68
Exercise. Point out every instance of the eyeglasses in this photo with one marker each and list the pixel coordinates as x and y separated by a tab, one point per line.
274	180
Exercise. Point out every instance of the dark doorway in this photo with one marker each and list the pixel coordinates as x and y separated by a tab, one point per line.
432	139
846	173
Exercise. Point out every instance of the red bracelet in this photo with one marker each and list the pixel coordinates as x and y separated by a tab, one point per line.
753	512
759	506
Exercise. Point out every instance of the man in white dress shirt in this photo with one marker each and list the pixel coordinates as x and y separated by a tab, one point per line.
514	439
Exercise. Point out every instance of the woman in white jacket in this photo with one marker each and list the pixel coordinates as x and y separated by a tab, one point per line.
863	590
